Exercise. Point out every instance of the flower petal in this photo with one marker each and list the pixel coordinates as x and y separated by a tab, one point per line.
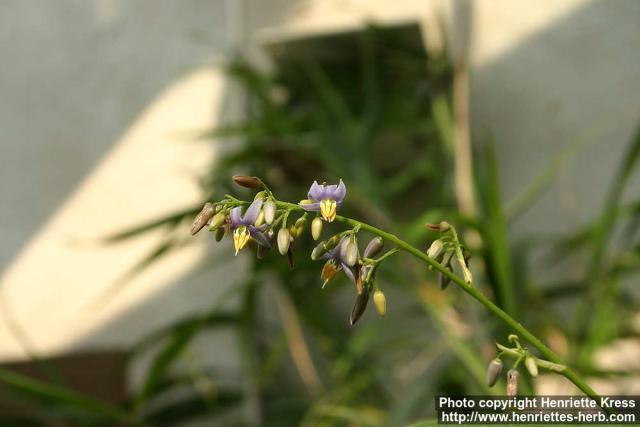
310	207
340	192
236	217
259	237
251	215
348	272
316	192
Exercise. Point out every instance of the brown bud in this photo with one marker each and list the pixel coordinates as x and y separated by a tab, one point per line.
359	306
247	181
202	218
493	372
513	379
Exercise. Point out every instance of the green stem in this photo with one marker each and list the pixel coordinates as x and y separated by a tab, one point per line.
474	293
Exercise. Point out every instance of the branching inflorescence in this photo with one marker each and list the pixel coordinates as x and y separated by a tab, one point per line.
256	223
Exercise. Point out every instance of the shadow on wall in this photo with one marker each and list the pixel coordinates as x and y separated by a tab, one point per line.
574	82
74	77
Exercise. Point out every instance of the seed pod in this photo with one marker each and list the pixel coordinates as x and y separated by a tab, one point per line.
219	234
269	209
513	379
316	227
374	247
217	221
284	240
380	301
359	306
435	249
247	181
202	218
493	372
531	366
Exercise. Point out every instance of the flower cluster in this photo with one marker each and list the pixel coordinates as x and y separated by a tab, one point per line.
265	223
521	354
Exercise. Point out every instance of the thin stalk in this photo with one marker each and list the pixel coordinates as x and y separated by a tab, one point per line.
475	294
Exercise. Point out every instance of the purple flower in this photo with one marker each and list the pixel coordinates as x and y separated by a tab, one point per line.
325	199
244	227
337	261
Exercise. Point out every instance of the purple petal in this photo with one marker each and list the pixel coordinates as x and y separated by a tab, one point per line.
310	207
236	218
348	272
251	215
259	237
339	193
316	192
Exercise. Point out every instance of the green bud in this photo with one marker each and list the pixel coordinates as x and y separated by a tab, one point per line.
316	227
269	209
493	372
217	221
284	240
202	218
318	251
219	234
260	219
532	367
435	249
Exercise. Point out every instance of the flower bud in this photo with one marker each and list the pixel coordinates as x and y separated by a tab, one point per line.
532	367
318	251
359	306
513	379
493	372
284	240
247	181
202	218
260	219
441	227
374	247
260	195
435	249
217	221
380	301
269	209
349	252
316	227
297	228
220	233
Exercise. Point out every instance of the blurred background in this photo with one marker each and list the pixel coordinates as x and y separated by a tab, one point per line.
516	121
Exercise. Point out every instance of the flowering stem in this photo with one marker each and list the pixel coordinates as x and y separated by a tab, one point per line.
474	293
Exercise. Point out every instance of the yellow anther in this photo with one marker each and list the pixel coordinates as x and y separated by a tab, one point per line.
328	209
240	238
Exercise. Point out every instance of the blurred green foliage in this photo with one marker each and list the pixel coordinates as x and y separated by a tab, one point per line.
372	108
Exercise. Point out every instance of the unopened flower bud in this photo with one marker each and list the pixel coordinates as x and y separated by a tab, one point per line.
441	227
247	181
493	372
260	219
202	218
260	195
316	227
532	367
513	380
220	233
374	247
269	209
349	252
297	228
435	249
284	240
359	306
217	221
318	251
380	301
